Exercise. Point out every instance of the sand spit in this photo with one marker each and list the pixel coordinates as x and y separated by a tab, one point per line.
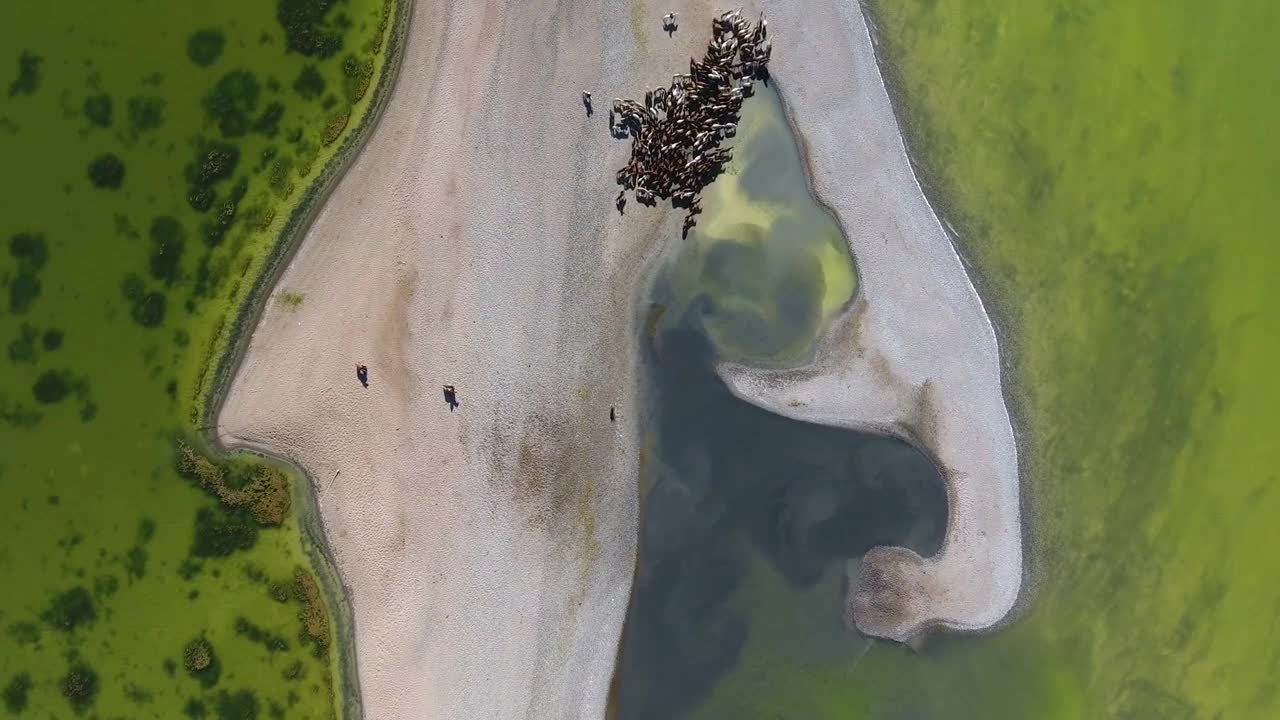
487	551
916	355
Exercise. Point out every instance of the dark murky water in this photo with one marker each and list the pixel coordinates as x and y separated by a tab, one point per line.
748	520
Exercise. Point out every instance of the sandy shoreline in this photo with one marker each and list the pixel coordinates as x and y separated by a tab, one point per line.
916	356
488	551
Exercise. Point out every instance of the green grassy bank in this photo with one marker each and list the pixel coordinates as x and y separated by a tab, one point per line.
1110	169
159	157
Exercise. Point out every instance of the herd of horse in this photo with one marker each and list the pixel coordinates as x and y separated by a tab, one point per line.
677	131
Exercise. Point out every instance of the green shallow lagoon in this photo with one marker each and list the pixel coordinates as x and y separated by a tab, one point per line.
1111	170
155	156
766	268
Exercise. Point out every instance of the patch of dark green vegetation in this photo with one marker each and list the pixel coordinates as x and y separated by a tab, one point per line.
201	198
269	640
104	586
80	686
204	47
232	101
305	31
146	530
24	633
97	110
69	610
357	74
145	113
16	692
24	289
167	240
71	540
124	227
310	83
220	532
106	171
22	349
188	569
17	415
30	251
28	75
146	307
52	339
195	709
314	616
214	162
215	230
201	662
239	705
279	180
137	694
52	386
268	153
217	161
260	488
135	562
268	123
279	592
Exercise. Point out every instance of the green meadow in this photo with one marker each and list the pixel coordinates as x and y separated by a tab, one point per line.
158	159
1111	171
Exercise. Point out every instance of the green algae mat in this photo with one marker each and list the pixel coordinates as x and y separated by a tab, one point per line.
1111	170
157	159
766	269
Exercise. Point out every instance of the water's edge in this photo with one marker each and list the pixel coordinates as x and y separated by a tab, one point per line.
207	408
997	306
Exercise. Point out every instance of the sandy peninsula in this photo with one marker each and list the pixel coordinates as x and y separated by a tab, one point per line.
488	550
915	356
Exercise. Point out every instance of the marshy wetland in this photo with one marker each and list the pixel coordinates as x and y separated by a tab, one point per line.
156	155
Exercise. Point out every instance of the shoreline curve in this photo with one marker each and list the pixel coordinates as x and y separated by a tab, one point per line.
914	356
305	510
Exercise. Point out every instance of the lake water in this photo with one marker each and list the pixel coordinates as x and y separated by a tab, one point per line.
766	268
154	152
748	517
1111	170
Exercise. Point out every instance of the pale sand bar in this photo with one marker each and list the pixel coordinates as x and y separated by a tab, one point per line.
487	552
916	356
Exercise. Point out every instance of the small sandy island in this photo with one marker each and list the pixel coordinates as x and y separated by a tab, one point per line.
487	549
